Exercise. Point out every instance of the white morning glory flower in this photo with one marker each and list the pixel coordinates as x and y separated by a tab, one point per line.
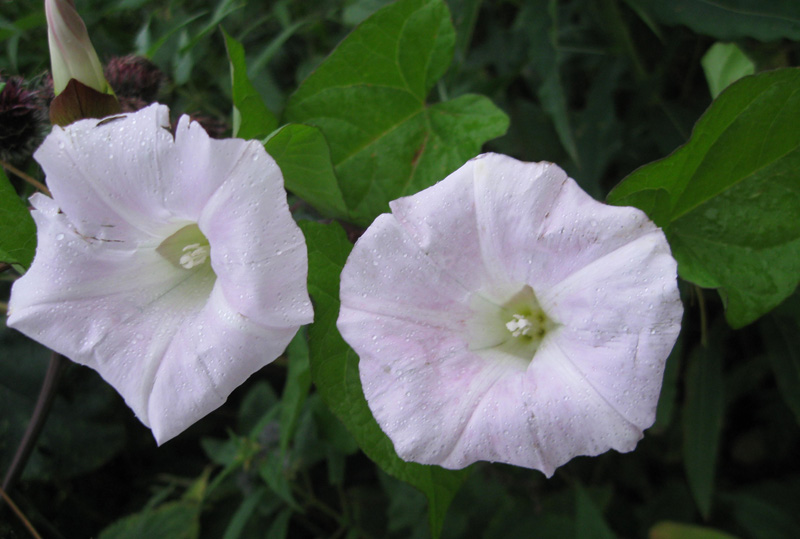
505	315
168	263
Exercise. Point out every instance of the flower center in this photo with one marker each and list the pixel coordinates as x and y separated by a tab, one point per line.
511	325
519	326
187	248
195	254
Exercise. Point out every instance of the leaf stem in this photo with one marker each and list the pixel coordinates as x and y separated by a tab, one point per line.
20	515
701	304
33	181
35	425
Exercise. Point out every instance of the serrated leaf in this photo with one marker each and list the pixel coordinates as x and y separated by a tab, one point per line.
251	117
767	20
334	370
369	99
781	332
17	229
724	64
728	200
302	153
702	419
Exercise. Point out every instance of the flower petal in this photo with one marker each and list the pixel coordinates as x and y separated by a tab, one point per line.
538	226
126	178
442	221
103	304
429	292
211	354
387	273
105	174
621	315
257	250
109	286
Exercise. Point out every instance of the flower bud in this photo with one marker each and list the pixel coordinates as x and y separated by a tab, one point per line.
72	55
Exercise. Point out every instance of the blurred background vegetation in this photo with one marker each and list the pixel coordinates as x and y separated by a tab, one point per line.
600	87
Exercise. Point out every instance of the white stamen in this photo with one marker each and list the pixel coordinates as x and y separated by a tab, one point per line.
195	255
519	326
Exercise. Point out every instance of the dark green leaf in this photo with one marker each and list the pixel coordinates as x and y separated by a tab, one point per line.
677	530
781	331
369	99
243	514
767	20
728	200
589	522
669	387
80	435
259	403
702	419
298	382
305	160
178	520
540	22
724	64
274	474
251	117
279	529
334	370
762	519
18	237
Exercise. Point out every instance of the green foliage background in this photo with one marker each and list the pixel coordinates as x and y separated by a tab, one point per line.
608	89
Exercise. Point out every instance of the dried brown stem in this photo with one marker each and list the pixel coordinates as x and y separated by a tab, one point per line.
33	181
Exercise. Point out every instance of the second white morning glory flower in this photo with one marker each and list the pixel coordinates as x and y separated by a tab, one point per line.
167	262
505	315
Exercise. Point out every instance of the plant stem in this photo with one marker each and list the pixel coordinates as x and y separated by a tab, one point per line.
34	182
20	515
35	425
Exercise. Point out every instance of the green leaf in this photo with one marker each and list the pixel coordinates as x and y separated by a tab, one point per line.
724	64
669	387
540	22
702	419
369	99
589	522
728	200
17	229
279	529
81	434
677	530
178	520
251	117
244	513
298	382
762	518
305	160
781	333
767	20
334	370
